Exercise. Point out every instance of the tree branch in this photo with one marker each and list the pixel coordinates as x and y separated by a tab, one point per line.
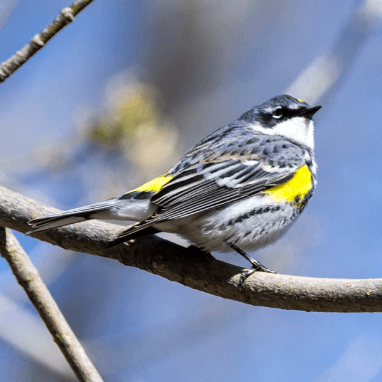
29	278
195	270
65	17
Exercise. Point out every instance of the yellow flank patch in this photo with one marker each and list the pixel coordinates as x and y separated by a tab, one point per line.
298	186
155	185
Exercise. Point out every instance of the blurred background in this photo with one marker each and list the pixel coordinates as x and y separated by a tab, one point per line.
115	99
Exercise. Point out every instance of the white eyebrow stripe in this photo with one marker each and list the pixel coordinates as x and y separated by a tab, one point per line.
270	109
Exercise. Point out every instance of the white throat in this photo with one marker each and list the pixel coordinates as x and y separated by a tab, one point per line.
300	129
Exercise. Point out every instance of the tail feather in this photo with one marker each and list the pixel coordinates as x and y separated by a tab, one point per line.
55	223
68	217
133	208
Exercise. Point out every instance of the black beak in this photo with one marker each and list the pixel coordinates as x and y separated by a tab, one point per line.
308	113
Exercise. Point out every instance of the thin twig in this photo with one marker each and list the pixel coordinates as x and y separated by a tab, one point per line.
65	17
194	269
29	278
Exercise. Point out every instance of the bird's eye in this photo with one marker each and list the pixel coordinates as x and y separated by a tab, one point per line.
277	114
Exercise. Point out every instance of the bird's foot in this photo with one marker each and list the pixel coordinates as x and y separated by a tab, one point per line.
256	267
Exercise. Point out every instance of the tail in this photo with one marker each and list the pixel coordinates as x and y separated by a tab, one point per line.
93	211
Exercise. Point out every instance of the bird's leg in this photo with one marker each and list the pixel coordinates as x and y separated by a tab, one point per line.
256	265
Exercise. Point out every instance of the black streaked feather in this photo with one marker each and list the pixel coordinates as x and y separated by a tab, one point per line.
226	178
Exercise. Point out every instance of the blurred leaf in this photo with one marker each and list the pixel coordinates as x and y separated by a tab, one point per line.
131	106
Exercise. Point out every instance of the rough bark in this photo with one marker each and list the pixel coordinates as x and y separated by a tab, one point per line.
195	270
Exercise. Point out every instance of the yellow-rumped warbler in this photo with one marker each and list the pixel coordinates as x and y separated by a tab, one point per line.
240	188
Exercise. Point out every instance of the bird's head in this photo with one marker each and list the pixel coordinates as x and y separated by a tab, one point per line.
286	116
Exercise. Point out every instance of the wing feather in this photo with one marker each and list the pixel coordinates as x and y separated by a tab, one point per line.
225	179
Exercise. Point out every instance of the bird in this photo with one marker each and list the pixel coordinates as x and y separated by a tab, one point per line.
239	189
